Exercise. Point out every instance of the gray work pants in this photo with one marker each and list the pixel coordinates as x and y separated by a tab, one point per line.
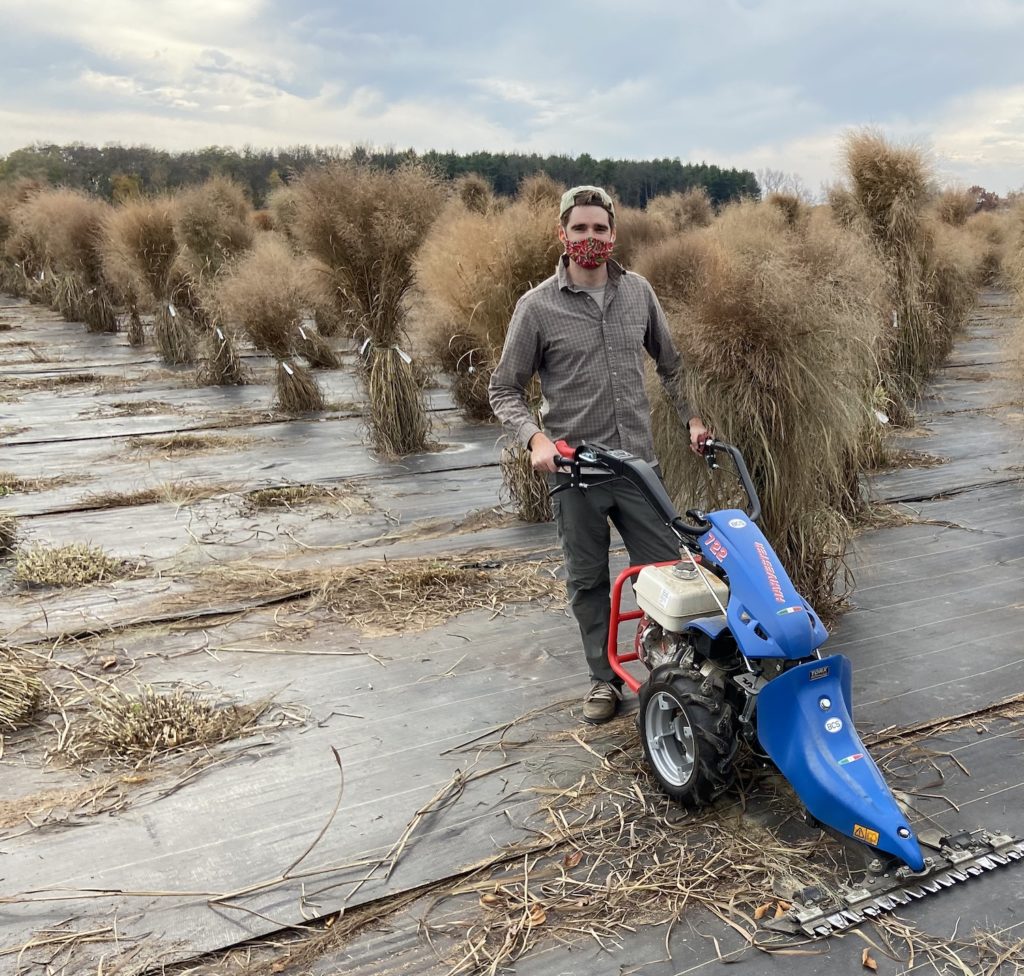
581	518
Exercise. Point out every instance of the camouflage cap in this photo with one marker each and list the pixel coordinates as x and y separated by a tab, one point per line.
569	199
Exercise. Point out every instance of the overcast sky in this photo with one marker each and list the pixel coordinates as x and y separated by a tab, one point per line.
745	83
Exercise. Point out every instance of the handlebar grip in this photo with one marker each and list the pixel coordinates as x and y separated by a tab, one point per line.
565	452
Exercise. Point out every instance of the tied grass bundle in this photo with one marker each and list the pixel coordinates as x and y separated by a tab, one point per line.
314	348
472	270
214	224
297	392
364	225
143	254
400	424
20	691
174	336
891	186
777	326
221	364
266	293
525	489
136	331
683	210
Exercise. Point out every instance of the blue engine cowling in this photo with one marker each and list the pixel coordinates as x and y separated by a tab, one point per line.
766	615
818	750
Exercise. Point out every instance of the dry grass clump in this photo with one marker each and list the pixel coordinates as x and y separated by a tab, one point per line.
214	226
65	228
266	294
365	225
792	207
403	594
683	210
992	231
11	483
284	210
20	691
75	564
175	492
522	487
182	443
344	495
8	532
635	231
140	240
778	327
954	206
956	268
472	270
213	223
140	728
475	192
541	191
891	186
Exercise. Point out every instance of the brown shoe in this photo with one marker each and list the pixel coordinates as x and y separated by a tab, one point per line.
601	703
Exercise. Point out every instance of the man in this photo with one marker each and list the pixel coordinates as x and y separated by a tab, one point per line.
584	331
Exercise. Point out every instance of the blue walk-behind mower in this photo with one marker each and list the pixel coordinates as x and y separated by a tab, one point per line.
732	653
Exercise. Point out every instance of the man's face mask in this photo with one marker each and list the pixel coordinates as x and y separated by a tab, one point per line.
590	252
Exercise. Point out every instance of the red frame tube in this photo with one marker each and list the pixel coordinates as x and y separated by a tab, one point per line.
616	617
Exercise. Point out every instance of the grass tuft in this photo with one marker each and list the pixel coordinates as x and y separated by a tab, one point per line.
8	532
76	564
140	728
20	691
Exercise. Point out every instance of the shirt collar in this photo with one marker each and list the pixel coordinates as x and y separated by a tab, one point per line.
615	272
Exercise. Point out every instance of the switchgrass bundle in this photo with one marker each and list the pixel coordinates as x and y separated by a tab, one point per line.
140	728
992	231
891	186
220	363
314	348
791	206
683	210
399	423
635	231
472	270
75	564
266	294
213	223
955	205
525	489
541	191
955	270
20	691
475	192
778	328
365	225
297	392
142	252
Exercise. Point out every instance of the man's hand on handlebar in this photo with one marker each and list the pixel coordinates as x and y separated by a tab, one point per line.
543	453
699	435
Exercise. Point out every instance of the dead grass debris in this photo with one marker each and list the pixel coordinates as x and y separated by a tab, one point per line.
183	443
20	690
8	532
344	495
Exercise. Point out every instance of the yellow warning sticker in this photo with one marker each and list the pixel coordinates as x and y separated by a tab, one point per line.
865	833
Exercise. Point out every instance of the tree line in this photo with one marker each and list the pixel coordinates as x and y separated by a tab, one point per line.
117	172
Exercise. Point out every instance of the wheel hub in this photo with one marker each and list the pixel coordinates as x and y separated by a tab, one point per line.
670	739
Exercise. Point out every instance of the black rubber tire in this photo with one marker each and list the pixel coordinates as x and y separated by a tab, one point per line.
687	700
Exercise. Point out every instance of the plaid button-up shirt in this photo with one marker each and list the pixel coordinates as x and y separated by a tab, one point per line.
590	362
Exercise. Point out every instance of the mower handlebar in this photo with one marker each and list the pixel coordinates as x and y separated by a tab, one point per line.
639	473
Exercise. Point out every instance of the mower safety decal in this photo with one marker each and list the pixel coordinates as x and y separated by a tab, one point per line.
865	833
785	610
850	759
769	571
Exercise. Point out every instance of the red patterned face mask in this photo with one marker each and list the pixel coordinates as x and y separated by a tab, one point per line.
590	252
